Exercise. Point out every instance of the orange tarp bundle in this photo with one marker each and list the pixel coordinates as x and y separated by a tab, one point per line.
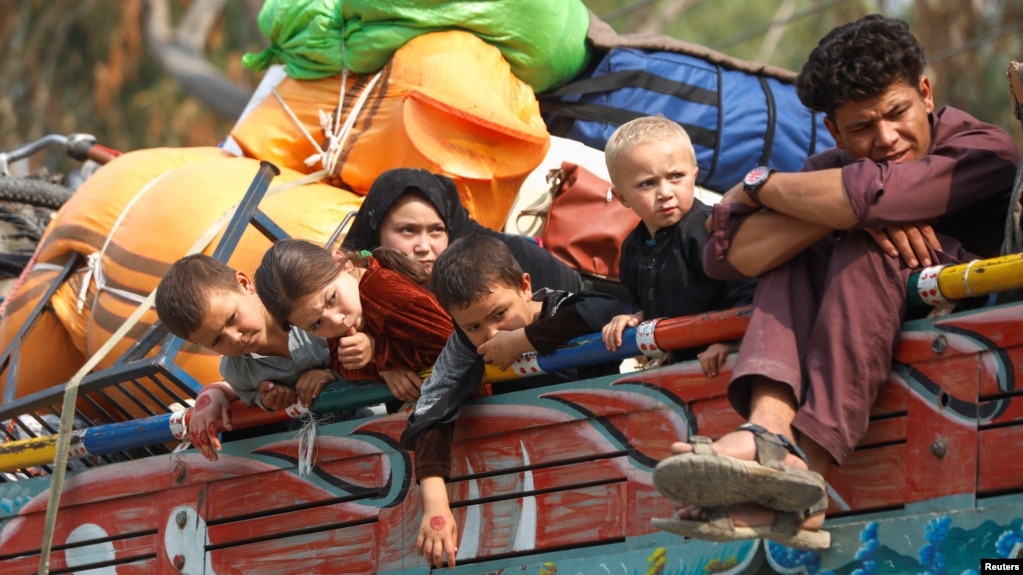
447	102
139	214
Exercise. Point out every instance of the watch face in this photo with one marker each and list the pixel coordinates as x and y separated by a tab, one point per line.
756	176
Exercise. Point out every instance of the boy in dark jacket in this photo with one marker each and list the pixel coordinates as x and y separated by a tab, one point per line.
497	319
653	170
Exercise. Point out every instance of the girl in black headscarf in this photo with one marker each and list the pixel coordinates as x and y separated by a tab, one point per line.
397	213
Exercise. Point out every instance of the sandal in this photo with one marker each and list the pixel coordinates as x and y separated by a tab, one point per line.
707	479
785	529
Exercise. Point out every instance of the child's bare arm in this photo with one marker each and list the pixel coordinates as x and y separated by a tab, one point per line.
438	532
505	347
612	332
712	358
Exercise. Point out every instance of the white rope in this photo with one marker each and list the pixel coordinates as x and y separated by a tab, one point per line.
67	413
294	118
335	133
339	140
94	262
307	444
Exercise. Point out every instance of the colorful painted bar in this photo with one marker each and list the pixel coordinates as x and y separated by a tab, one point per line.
938	285
651	338
171	427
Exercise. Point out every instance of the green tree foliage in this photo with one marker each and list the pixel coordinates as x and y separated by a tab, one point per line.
83	66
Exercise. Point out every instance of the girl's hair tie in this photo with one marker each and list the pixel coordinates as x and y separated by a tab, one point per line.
365	254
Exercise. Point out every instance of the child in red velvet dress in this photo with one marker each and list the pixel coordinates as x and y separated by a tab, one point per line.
378	319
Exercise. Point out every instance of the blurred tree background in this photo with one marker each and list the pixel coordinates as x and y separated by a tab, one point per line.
149	73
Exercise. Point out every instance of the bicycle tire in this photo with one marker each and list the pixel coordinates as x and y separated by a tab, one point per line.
38	193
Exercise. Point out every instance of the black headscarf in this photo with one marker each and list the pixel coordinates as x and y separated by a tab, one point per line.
545	269
390	186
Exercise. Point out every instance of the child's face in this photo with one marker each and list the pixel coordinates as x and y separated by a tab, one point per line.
235	322
414	227
656	180
505	308
333	311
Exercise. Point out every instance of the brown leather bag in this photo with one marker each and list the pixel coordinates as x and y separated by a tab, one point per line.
584	224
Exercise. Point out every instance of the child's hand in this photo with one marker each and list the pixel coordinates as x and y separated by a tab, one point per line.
310	383
505	347
276	396
612	332
404	384
438	531
211	407
712	358
355	350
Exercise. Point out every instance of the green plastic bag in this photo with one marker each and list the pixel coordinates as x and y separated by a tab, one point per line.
305	36
544	41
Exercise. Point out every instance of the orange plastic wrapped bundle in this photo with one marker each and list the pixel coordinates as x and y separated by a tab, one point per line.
135	220
447	102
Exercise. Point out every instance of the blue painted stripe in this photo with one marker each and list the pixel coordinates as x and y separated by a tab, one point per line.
589	350
127	435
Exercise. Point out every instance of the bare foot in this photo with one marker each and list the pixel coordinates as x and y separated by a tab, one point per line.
740	445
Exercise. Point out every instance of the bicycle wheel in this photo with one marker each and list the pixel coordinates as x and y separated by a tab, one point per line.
38	193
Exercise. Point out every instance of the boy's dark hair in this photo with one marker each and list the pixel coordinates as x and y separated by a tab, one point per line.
469	270
183	296
293	268
858	61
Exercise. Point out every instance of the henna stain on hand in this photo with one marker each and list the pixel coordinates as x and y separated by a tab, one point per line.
202	402
437	523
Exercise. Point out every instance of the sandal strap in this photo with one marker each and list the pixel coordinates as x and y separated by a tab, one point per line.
702	445
718	518
772	447
791	522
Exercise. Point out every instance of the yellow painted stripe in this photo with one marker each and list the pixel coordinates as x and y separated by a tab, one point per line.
981	277
28	452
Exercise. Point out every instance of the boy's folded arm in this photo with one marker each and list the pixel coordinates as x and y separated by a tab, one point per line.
581	314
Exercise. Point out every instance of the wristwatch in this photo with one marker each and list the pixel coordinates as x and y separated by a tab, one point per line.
754	180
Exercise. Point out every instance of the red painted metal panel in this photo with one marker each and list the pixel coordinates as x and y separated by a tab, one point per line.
1005	410
870	479
715	417
348	551
958	376
1000	460
892	399
544	479
885	431
1000	369
274	525
941	448
344	458
126	516
30	565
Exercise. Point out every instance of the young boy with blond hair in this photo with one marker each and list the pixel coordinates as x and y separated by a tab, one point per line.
652	165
